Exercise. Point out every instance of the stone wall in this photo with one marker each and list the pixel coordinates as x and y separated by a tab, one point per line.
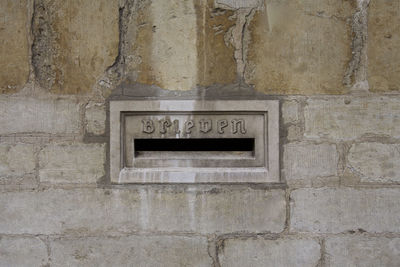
333	64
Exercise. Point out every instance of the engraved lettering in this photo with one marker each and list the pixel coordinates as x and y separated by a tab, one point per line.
164	124
188	126
176	127
147	126
238	125
221	124
205	125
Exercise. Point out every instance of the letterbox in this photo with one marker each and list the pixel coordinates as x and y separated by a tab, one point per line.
194	141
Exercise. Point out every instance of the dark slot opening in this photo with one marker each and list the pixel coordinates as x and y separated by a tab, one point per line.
204	144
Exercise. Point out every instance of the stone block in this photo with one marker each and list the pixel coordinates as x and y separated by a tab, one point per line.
303	162
262	252
22	251
74	43
95	115
375	162
131	251
299	47
348	119
235	4
16	160
126	210
30	115
290	111
362	251
196	52
384	46
329	210
72	163
14	47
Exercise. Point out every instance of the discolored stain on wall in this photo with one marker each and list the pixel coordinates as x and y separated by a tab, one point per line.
74	42
182	44
216	63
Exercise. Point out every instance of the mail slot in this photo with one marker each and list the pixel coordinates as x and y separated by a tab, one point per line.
188	141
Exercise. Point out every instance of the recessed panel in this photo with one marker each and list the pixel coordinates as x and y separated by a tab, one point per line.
190	141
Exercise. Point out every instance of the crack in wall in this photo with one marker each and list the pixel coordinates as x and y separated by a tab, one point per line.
356	73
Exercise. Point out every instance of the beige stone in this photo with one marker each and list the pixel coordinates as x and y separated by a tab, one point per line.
144	210
362	251
235	4
303	162
95	115
16	160
131	251
14	47
299	47
262	252
75	42
31	115
22	251
336	210
348	119
194	53
375	162
72	163
384	46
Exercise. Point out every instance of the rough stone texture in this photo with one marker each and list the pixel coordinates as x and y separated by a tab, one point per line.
22	251
74	43
16	160
300	47
14	48
131	251
352	118
235	4
307	161
384	46
194	53
260	252
290	111
95	115
375	162
363	251
72	163
30	115
330	210
92	210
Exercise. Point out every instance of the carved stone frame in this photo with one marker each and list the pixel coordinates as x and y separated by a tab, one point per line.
268	174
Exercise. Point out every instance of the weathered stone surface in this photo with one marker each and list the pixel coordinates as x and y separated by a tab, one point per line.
234	4
290	111
194	53
329	210
131	251
95	115
299	47
345	119
121	210
14	48
384	46
306	161
72	163
362	251
16	160
74	43
279	252
30	115
22	251
375	162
